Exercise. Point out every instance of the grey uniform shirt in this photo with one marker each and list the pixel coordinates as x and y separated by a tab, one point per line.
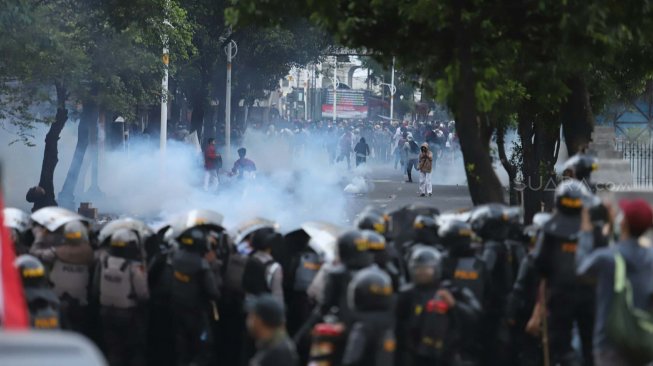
599	265
273	275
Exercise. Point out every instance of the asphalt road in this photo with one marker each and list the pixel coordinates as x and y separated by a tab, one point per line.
389	191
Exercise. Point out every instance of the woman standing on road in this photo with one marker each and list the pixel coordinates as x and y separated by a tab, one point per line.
424	167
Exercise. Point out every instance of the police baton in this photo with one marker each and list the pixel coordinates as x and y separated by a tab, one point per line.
545	324
216	314
315	317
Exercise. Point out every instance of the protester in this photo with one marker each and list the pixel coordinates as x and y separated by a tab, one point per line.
425	166
411	151
212	165
362	151
243	167
634	219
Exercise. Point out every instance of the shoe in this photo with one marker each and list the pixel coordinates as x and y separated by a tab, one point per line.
430	194
422	195
409	181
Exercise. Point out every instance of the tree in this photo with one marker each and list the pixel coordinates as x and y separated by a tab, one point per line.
56	44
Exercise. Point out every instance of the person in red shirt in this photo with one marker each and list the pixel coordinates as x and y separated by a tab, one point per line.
212	164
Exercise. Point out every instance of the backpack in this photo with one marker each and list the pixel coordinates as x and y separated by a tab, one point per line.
116	283
255	278
414	148
629	328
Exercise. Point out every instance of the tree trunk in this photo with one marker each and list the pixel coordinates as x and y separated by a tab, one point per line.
197	118
539	140
483	183
51	152
508	166
88	117
577	118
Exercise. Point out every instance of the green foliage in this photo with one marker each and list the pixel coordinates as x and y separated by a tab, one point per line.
108	54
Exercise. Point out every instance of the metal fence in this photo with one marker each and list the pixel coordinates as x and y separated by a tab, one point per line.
640	156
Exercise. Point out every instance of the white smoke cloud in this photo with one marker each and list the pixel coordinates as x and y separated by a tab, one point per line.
289	188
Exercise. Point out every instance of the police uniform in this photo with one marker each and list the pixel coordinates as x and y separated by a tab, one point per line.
371	340
194	289
69	274
491	223
569	300
120	285
42	302
430	332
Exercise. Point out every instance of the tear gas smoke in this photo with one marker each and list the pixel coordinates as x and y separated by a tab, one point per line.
291	187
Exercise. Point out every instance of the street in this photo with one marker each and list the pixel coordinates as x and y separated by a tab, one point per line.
390	192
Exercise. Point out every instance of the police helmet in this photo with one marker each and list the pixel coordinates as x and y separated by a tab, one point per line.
491	221
16	219
193	239
426	229
532	231
599	214
580	166
370	220
456	236
569	197
264	239
75	233
515	222
125	244
31	271
425	265
370	290
353	250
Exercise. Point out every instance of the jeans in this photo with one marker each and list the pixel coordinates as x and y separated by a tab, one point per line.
409	168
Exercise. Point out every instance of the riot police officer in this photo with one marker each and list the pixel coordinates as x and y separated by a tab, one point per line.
522	313
371	340
372	220
433	317
425	231
554	258
70	262
386	257
490	223
580	167
262	274
120	285
194	293
42	302
18	223
353	255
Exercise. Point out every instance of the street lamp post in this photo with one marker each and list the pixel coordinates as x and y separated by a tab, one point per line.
231	50
393	90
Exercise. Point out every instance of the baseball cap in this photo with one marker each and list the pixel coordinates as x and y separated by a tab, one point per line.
638	215
269	309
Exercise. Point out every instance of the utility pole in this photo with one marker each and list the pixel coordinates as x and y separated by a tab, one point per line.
393	89
164	97
335	90
231	50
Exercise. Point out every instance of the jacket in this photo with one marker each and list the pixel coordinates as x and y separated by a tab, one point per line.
599	264
425	160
